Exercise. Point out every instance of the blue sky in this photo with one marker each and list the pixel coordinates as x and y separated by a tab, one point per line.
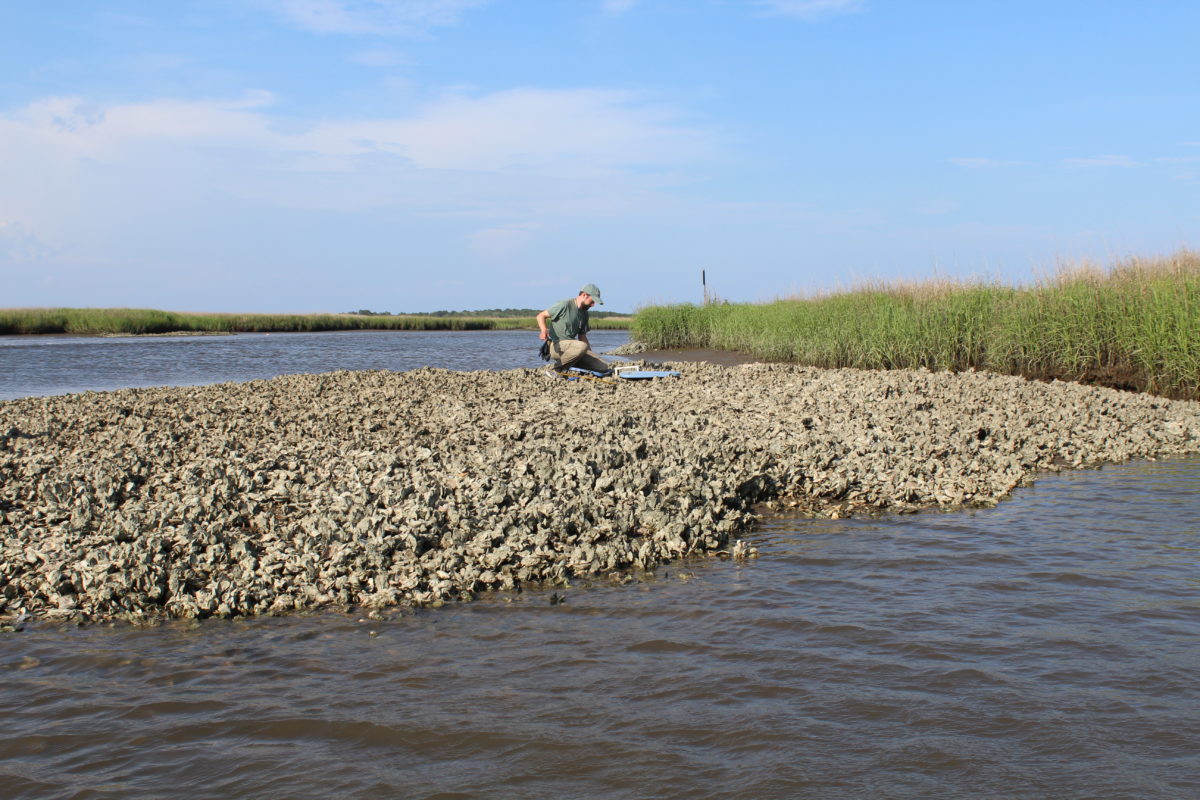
413	155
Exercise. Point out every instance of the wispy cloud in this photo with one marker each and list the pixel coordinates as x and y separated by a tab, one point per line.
1102	161
810	9
574	131
75	172
172	187
371	16
69	127
564	131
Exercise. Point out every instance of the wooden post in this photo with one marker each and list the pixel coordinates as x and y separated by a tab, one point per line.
704	286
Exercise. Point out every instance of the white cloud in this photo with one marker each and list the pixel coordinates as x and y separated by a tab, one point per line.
810	9
185	204
372	17
560	131
1102	161
571	131
181	180
69	127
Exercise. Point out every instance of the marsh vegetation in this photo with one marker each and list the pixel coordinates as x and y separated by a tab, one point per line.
145	321
1135	325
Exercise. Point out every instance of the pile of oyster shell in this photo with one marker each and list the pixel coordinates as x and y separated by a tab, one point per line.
374	489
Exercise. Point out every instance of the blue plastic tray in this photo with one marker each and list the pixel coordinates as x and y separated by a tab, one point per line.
628	374
644	374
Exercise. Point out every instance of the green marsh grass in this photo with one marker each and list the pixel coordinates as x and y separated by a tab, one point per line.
1135	325
144	321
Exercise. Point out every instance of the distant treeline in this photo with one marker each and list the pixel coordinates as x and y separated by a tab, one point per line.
494	313
1134	326
149	321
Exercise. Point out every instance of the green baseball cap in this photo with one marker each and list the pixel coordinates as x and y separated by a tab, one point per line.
593	291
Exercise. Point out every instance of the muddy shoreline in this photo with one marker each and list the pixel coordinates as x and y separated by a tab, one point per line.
376	489
1122	379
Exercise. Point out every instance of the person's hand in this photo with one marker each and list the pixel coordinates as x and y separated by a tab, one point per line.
544	335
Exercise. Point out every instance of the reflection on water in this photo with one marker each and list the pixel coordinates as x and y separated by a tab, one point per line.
44	365
1049	647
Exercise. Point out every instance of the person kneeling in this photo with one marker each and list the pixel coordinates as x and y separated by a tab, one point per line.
564	327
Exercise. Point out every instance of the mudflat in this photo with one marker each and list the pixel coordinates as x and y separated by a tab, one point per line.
415	488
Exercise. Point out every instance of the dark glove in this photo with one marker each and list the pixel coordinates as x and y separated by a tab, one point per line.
545	351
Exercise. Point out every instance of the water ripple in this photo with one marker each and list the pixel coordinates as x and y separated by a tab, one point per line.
1047	647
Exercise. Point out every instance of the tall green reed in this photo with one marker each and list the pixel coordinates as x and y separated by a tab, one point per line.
1136	325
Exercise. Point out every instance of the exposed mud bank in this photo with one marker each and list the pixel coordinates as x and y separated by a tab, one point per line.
379	488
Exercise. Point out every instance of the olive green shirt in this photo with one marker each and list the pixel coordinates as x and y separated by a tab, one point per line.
566	320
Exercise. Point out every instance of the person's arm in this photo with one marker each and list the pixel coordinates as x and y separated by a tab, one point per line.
541	321
583	331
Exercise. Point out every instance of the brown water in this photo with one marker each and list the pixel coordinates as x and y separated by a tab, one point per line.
1049	647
